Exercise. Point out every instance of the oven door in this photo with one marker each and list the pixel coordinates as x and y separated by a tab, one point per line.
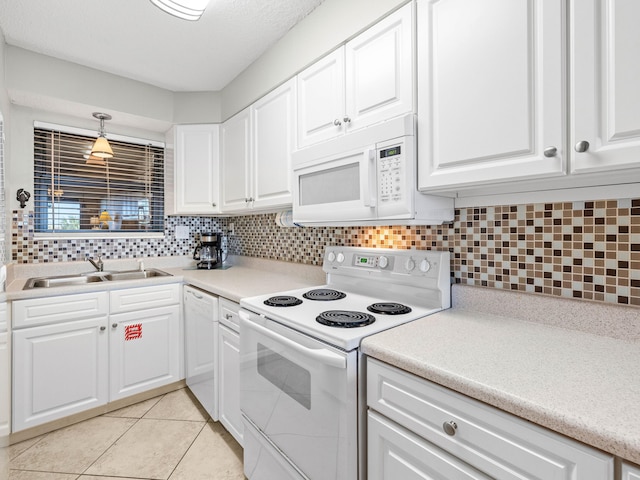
301	394
340	187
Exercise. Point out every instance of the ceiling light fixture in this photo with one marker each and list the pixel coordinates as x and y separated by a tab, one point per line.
101	148
185	9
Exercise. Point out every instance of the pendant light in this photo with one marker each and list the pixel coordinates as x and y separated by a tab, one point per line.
101	148
185	9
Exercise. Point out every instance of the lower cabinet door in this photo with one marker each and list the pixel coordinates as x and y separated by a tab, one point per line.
5	390
629	472
229	407
396	453
144	350
59	370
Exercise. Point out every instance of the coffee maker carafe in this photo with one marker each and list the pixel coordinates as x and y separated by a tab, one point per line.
208	252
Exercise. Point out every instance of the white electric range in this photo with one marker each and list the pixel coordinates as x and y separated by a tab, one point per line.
301	370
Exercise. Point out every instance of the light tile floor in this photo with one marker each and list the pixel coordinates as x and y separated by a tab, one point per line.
169	437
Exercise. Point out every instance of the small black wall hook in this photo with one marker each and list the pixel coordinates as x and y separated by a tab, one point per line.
23	196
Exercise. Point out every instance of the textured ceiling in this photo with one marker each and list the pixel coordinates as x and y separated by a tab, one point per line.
134	39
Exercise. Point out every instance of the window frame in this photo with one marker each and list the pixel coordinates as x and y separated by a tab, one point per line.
102	233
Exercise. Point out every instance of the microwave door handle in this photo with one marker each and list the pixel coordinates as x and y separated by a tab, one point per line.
323	355
370	190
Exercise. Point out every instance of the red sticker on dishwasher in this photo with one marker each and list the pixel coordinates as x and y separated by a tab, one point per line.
133	332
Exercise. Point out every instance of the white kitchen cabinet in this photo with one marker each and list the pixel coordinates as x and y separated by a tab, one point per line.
452	432
630	472
59	368
273	125
229	375
146	344
394	452
490	91
5	377
366	81
257	145
236	162
605	73
197	169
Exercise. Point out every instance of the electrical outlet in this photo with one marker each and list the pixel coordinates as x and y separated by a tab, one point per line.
231	229
182	232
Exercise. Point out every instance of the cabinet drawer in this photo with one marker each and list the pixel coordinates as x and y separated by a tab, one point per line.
142	298
496	443
229	314
64	308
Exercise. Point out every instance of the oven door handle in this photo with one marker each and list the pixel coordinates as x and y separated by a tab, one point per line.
327	357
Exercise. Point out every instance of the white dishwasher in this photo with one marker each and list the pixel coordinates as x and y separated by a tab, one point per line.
201	340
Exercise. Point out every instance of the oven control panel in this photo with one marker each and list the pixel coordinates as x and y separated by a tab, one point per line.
350	260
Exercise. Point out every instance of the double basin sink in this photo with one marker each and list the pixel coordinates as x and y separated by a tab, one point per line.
92	277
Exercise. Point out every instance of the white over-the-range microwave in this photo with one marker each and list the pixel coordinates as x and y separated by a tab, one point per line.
366	177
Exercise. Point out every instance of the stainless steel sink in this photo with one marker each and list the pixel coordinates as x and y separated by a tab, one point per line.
134	275
61	281
85	278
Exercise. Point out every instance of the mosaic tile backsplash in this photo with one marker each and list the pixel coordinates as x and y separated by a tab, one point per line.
588	250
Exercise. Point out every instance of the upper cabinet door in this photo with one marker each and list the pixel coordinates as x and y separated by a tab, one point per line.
236	162
379	71
274	128
605	80
197	170
490	91
321	100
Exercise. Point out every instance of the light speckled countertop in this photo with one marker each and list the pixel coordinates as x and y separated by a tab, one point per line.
578	383
246	276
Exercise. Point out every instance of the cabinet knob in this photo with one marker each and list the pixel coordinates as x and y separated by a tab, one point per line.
346	120
337	122
450	427
228	316
550	151
213	205
114	325
582	146
103	328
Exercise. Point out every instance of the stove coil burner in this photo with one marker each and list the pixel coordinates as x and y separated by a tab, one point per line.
282	301
345	319
389	308
324	294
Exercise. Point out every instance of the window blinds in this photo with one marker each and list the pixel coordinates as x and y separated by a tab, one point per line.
77	192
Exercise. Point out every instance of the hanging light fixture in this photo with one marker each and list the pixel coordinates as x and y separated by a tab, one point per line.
185	9
101	148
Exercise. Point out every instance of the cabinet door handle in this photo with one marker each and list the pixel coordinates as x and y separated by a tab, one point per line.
337	122
114	325
346	120
450	427
582	146
103	328
228	316
550	151
213	205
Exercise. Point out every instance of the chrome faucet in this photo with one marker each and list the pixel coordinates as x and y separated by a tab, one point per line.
99	265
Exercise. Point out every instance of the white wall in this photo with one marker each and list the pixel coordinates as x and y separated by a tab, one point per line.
329	25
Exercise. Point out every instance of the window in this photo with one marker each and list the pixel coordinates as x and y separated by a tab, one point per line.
75	192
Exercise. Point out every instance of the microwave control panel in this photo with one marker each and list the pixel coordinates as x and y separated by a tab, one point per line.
391	174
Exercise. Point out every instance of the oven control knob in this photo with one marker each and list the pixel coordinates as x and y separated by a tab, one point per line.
425	266
383	262
331	257
409	264
340	257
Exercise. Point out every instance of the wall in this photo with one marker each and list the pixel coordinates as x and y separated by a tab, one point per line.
588	250
328	26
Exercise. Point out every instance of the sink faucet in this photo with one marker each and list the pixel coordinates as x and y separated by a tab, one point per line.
99	265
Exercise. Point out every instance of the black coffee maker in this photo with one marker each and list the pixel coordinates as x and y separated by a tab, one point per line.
208	252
